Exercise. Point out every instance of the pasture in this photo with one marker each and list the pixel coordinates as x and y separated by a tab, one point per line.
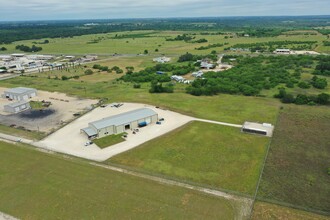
36	185
203	153
296	168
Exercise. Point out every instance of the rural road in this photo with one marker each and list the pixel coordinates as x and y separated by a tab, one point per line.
4	216
15	139
218	122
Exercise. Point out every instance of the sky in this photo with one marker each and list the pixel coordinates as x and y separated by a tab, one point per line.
13	10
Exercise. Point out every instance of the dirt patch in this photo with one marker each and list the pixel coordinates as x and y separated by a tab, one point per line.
36	114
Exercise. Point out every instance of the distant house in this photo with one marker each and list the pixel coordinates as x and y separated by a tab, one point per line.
17	107
18	55
178	78
20	93
197	74
162	59
160	72
257	128
207	65
282	51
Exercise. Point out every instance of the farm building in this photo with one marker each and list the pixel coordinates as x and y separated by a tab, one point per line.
119	123
162	59
257	128
20	93
17	107
282	51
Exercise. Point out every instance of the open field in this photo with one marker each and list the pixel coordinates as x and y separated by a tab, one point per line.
267	211
33	135
205	153
51	187
226	108
296	168
151	41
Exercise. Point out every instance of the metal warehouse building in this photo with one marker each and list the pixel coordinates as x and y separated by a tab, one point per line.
119	123
20	93
17	107
257	128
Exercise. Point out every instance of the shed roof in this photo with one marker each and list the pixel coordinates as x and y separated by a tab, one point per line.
17	104
89	131
259	127
20	90
124	118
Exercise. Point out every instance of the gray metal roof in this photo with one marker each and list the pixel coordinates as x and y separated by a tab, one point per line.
89	131
20	90
124	118
17	104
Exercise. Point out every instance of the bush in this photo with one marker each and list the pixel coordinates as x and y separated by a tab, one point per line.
304	85
136	86
287	98
65	78
88	72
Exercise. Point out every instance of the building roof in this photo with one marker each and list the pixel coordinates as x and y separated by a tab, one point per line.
20	90
124	118
17	104
259	127
89	131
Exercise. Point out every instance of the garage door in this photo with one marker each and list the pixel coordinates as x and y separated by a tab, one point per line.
25	97
148	120
17	109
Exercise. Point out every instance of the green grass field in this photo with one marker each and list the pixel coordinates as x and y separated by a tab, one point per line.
204	153
109	140
80	45
35	185
226	108
296	168
267	211
33	135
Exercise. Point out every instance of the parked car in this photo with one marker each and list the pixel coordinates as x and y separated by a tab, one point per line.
88	143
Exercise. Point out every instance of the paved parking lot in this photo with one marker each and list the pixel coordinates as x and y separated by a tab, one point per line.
70	140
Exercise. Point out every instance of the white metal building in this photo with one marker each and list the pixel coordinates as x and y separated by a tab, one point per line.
257	128
17	106
120	123
20	93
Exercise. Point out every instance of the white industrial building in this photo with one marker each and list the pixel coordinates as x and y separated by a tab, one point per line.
20	93
258	128
120	123
17	107
162	59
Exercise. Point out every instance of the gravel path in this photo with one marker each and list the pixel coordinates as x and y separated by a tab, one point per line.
4	216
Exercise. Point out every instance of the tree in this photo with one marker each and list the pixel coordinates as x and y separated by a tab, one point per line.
3	49
146	52
288	98
129	69
323	98
156	50
319	83
88	72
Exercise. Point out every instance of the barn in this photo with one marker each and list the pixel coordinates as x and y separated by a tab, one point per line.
120	123
20	93
17	106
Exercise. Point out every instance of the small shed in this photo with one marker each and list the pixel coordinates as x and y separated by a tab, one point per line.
20	93
258	128
17	107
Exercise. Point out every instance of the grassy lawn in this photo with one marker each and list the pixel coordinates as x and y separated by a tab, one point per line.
205	153
267	211
35	185
296	168
33	135
36	105
109	140
226	108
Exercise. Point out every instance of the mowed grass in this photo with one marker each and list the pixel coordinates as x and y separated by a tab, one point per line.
226	108
109	140
35	185
33	135
204	153
267	211
299	156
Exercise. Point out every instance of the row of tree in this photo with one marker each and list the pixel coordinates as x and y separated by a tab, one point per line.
25	48
302	99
